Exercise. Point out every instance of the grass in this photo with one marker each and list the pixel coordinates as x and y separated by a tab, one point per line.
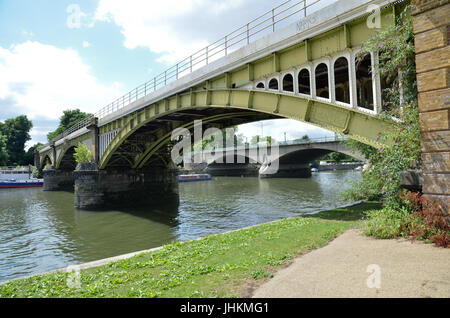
216	266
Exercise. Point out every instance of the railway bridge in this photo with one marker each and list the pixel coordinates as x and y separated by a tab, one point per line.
297	61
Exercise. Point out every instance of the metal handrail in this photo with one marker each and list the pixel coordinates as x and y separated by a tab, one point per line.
187	65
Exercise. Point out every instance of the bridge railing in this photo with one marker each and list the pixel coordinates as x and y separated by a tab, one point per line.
220	48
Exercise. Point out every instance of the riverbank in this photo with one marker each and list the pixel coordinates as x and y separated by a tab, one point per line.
224	265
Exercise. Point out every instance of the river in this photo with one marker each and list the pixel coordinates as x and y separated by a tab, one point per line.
42	231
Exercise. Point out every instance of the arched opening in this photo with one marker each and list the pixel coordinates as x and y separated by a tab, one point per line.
341	80
273	84
288	83
322	88
364	82
260	85
68	162
304	84
47	161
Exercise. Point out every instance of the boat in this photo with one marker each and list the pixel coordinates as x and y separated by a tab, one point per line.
314	170
12	183
194	177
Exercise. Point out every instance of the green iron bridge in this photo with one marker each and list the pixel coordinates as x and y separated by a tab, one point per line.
296	61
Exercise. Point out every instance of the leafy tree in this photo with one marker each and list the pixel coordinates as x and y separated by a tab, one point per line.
67	120
3	152
83	154
29	155
17	132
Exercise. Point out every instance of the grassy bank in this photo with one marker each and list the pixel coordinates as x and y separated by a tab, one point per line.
224	265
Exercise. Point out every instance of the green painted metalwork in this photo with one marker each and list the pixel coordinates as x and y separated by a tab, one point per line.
353	123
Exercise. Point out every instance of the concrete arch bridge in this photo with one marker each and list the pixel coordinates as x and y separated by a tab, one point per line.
303	65
284	160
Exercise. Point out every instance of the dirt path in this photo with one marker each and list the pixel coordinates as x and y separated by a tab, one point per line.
340	270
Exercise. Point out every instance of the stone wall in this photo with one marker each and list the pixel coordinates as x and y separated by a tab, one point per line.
432	37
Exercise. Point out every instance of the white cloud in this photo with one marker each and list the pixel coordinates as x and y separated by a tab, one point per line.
42	80
177	28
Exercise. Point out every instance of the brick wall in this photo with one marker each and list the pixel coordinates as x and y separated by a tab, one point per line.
432	32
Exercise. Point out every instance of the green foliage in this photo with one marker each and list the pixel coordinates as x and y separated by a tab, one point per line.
304	138
67	120
386	223
83	154
382	179
337	157
367	150
37	173
414	217
29	155
16	130
3	152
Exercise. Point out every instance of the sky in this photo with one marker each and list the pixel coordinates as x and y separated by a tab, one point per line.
68	54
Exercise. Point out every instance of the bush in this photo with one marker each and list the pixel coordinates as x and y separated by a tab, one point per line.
386	223
416	218
82	154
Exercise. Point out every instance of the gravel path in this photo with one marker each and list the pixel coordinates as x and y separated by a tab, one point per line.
340	269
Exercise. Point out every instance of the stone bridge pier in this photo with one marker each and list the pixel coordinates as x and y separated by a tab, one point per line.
114	186
96	188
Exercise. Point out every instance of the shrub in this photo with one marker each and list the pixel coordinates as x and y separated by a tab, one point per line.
83	154
386	223
416	218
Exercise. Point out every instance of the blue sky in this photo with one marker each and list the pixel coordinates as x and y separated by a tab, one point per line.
66	54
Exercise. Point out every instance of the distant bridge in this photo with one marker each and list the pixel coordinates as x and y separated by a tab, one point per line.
292	158
303	67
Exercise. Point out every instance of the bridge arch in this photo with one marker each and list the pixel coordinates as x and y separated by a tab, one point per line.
228	107
46	160
66	159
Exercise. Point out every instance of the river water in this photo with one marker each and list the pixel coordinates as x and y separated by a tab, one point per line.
42	231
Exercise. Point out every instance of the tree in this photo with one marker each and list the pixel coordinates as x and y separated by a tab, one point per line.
67	120
17	132
29	155
3	152
304	138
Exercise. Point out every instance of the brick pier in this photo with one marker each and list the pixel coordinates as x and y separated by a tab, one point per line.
432	38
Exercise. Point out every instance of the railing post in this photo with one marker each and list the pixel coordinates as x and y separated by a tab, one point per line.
304	7
273	20
226	45
190	58
154	84
207	55
165	78
176	73
248	33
